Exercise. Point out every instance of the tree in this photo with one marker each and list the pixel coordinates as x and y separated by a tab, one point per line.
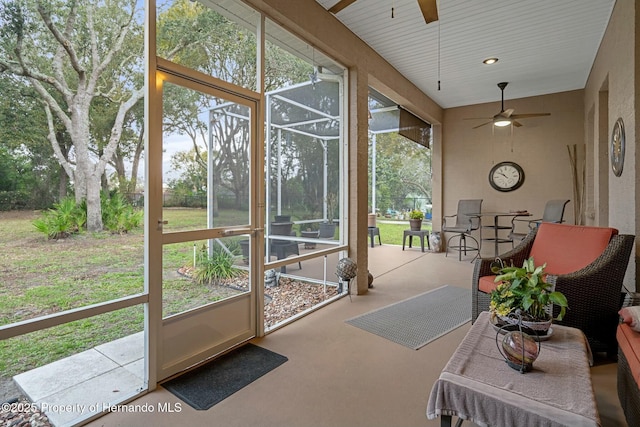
23	137
403	168
74	53
225	50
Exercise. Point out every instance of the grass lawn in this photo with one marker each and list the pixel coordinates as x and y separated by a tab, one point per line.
391	231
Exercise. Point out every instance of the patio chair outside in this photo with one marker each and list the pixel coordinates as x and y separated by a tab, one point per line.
466	221
553	212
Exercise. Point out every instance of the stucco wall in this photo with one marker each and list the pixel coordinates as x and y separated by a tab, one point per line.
539	147
610	93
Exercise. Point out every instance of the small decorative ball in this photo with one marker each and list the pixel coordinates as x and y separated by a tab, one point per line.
520	350
346	269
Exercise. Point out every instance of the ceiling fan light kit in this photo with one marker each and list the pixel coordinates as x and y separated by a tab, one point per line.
502	123
506	117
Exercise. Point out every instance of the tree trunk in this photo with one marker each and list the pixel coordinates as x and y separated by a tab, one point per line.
94	210
62	184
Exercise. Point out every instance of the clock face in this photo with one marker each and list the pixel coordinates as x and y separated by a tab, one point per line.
506	176
617	147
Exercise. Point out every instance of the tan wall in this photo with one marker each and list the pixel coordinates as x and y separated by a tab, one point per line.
610	93
539	147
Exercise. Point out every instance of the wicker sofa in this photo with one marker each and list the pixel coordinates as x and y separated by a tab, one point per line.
587	264
629	373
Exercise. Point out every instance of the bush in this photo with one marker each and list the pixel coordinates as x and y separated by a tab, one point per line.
64	219
67	217
13	200
212	269
118	215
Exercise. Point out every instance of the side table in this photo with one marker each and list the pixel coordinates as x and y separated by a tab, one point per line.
422	234
374	231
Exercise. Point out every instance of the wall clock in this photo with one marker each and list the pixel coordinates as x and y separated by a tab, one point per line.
617	147
506	176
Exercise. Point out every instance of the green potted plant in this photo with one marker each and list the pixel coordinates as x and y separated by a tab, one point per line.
415	219
525	289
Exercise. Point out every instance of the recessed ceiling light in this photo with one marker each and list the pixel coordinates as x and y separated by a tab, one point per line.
490	61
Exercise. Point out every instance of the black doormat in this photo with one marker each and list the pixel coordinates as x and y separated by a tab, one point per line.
213	382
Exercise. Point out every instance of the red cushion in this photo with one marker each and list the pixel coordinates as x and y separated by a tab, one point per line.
629	342
486	284
568	248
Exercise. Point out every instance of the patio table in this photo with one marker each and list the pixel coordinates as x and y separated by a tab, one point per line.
496	227
478	385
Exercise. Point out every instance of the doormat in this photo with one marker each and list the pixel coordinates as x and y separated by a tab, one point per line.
417	321
213	382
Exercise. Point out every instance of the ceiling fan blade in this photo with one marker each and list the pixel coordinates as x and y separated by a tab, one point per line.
484	124
516	124
507	113
478	118
340	5
429	10
526	116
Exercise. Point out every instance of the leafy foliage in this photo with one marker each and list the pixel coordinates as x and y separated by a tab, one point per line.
68	217
118	216
64	219
218	266
525	288
403	169
416	214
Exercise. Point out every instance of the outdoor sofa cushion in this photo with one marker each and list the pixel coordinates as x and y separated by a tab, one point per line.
564	248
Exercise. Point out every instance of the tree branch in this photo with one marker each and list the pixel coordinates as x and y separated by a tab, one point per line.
64	41
51	136
117	47
116	131
51	102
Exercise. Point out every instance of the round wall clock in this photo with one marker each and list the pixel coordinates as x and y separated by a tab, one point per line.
506	176
617	147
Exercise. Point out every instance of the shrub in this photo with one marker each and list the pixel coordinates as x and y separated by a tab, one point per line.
67	217
64	219
212	269
118	215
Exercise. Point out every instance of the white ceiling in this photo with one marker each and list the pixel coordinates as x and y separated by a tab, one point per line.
543	46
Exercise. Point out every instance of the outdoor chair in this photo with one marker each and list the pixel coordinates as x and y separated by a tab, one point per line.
553	212
283	248
587	264
466	221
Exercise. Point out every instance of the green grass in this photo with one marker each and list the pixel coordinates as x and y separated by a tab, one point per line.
391	231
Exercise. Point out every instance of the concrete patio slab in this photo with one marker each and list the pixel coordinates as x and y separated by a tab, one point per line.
58	376
136	368
124	350
95	395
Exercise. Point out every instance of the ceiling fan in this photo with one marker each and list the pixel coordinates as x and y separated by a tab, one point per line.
429	8
506	117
